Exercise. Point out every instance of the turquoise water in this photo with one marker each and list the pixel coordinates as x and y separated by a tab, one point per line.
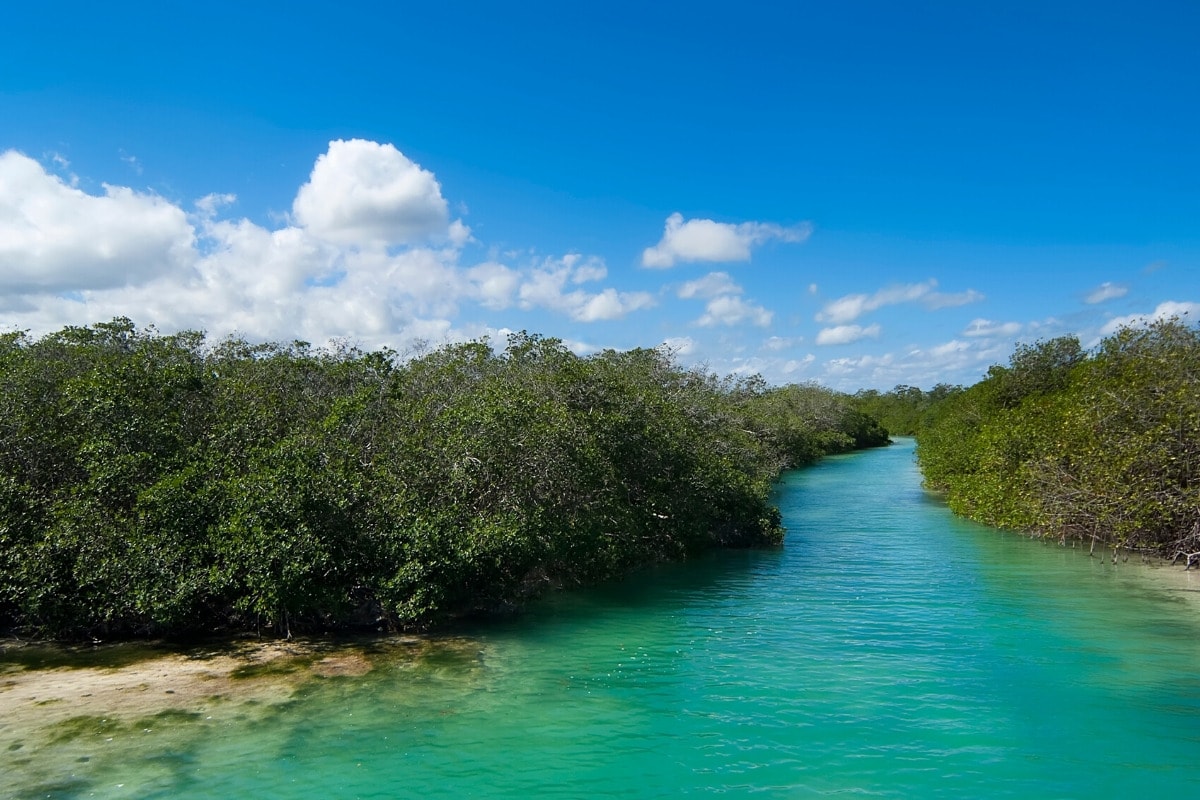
887	650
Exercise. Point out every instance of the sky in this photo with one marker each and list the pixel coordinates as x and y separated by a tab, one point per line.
861	194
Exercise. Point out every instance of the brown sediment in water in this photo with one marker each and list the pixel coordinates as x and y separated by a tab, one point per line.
70	715
44	691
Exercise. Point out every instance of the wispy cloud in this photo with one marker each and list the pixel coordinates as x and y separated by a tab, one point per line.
711	285
916	367
858	366
132	161
778	343
1172	308
680	345
852	306
936	300
847	334
985	327
1105	291
706	240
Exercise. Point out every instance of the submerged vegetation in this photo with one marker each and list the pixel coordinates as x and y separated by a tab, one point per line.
1101	446
157	483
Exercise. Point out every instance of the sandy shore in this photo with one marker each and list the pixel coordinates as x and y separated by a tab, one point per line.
68	716
44	688
1174	578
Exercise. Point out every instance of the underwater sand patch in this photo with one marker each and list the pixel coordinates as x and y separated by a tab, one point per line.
223	680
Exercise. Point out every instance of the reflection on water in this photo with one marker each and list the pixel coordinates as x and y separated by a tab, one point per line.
888	649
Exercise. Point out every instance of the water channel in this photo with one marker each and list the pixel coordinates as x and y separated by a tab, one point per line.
887	650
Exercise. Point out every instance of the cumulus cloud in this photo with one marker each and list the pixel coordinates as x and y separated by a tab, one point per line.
494	284
732	310
724	306
852	306
365	192
362	256
706	240
985	327
55	237
546	287
1185	310
1105	291
846	334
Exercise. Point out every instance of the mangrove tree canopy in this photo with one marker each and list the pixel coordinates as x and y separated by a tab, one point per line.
154	483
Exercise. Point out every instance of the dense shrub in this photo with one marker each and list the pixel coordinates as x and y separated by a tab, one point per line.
153	483
1102	446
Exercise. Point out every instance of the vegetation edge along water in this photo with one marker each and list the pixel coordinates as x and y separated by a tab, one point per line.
1099	445
156	484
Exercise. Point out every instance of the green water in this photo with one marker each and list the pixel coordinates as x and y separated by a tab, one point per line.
888	650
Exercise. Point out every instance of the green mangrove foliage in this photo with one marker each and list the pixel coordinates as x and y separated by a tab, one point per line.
1102	446
905	410
156	483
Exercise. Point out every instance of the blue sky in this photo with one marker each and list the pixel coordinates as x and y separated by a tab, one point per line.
860	194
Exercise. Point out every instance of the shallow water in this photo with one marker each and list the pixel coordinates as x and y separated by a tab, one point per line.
886	650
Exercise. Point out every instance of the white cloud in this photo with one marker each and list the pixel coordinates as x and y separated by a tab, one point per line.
846	334
545	287
363	192
610	304
494	284
936	300
132	161
1172	308
733	310
852	306
1105	291
711	285
949	348
589	272
459	234
54	237
777	343
208	206
339	268
706	240
957	361
848	366
985	327
798	364
680	345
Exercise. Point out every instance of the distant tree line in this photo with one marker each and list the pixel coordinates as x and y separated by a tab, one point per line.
904	410
155	484
1102	446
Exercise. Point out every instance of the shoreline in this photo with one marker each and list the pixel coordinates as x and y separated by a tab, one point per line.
62	705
